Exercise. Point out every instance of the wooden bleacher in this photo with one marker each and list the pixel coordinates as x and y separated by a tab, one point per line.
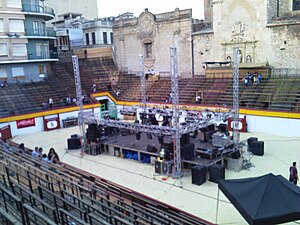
40	193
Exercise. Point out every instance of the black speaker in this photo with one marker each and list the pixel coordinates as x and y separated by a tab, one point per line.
257	148
216	173
198	174
249	142
160	139
188	151
168	146
74	143
166	168
138	136
124	132
74	136
158	167
151	148
236	154
185	139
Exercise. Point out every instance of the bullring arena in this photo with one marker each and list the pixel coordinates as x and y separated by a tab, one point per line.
116	131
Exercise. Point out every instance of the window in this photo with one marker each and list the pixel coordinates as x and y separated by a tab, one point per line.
148	50
1	25
35	27
16	26
13	3
19	50
296	5
3	49
42	28
46	51
41	69
87	39
111	38
17	72
38	50
3	73
93	38
104	38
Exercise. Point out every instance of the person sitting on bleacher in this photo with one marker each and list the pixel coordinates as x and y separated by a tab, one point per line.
35	153
52	156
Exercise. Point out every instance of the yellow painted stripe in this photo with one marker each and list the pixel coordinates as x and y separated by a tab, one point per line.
46	113
291	115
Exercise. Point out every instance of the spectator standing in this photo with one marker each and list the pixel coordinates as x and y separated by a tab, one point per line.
50	102
293	174
94	88
85	53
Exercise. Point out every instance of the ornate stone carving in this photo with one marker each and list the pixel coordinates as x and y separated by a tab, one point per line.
146	26
238	31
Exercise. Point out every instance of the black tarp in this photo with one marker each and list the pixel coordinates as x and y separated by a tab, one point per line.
264	200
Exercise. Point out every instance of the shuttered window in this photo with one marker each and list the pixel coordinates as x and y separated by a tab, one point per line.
14	3
17	71
19	50
38	50
1	25
3	73
16	26
3	49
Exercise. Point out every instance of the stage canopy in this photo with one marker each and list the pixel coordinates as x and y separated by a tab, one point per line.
264	200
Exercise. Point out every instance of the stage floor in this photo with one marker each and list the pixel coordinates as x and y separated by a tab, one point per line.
201	200
130	142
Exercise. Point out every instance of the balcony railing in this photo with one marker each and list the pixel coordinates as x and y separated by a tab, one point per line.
38	9
46	32
43	56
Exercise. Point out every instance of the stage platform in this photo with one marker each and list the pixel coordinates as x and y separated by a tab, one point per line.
204	152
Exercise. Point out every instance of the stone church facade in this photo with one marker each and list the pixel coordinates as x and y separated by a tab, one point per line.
152	36
267	32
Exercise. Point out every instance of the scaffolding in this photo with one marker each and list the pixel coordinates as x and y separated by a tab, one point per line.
79	101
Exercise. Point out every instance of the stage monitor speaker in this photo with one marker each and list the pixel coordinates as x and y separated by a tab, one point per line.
250	139
168	146
74	143
124	132
93	127
166	168
236	154
188	151
199	174
185	139
158	167
138	136
216	173
160	139
257	148
74	136
151	148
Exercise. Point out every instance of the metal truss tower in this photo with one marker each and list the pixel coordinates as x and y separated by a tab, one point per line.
235	105
143	81
177	173
79	101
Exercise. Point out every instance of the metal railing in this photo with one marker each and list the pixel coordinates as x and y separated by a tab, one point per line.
285	72
38	9
42	56
46	32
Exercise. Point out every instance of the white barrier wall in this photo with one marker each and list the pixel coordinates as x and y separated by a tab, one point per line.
260	124
274	125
